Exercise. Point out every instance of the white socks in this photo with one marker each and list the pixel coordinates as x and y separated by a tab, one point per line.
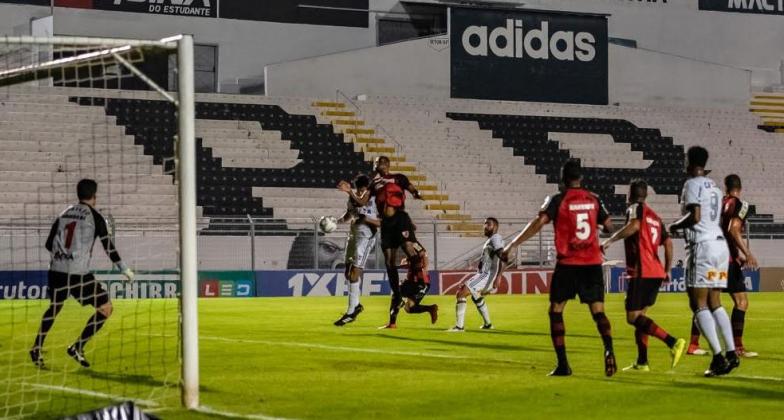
707	324
460	310
353	297
481	306
725	327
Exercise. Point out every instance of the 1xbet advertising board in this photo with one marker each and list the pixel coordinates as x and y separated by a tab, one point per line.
199	8
325	283
528	56
763	7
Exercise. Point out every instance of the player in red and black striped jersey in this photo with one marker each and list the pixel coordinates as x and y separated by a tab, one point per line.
398	231
643	234
576	213
733	223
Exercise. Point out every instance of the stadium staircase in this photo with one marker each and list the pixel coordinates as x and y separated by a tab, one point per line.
769	106
373	143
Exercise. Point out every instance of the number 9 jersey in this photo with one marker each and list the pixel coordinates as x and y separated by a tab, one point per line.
703	192
576	214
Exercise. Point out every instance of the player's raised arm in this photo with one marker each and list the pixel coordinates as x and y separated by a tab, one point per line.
668	256
631	227
691	218
414	192
345	186
736	237
529	231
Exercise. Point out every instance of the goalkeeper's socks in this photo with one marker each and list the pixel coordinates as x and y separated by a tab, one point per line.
94	324
603	326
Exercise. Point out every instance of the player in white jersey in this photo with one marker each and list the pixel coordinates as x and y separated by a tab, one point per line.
71	242
360	243
708	260
485	281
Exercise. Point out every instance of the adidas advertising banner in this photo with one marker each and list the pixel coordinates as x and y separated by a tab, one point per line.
762	7
528	56
197	8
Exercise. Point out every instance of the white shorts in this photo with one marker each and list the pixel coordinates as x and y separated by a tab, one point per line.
361	243
707	264
478	283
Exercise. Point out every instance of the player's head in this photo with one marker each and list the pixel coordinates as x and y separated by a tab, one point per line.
732	184
86	190
361	182
696	160
381	165
491	226
571	173
638	191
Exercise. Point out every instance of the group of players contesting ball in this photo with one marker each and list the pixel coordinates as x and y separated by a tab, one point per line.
711	225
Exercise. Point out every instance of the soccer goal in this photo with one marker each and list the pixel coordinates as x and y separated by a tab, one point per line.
65	116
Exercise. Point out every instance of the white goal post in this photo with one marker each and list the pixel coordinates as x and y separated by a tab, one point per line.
120	52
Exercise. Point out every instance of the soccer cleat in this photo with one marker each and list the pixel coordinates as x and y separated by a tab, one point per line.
388	327
345	319
719	366
77	355
695	350
745	353
36	357
433	313
733	361
487	327
610	367
456	329
677	351
357	310
561	371
638	367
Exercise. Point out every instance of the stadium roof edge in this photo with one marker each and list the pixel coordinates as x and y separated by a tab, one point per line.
498	6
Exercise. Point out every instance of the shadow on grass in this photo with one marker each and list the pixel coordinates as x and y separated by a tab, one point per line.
463	344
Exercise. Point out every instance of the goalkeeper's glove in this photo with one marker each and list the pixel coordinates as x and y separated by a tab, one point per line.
129	274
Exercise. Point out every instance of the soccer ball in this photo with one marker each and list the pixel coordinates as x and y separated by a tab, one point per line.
328	224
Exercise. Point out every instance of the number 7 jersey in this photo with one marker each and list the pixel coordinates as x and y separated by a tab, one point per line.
576	215
703	192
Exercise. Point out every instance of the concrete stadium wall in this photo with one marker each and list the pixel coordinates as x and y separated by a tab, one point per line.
15	19
421	68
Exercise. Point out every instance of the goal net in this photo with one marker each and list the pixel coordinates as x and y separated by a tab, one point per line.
64	117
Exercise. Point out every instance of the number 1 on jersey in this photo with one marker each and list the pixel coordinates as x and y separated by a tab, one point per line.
69	232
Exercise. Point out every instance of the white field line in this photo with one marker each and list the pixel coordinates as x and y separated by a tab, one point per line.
89	393
229	414
354	349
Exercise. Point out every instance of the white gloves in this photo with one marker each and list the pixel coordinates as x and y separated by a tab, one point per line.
128	273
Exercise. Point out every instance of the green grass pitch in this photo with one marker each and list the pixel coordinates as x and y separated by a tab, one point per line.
281	357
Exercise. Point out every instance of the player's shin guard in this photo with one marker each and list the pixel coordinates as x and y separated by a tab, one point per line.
94	324
481	306
558	333
647	326
641	339
738	321
725	327
605	330
460	310
707	324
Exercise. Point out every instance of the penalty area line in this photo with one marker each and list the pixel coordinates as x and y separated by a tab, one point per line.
79	391
355	349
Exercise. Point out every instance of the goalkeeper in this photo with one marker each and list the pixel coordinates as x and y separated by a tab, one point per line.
70	243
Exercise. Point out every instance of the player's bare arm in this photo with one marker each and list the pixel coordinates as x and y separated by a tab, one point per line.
528	232
414	192
361	199
345	218
736	237
691	218
668	257
628	230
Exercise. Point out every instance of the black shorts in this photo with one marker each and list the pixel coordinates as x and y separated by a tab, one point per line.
641	293
414	290
396	230
83	288
736	281
586	281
